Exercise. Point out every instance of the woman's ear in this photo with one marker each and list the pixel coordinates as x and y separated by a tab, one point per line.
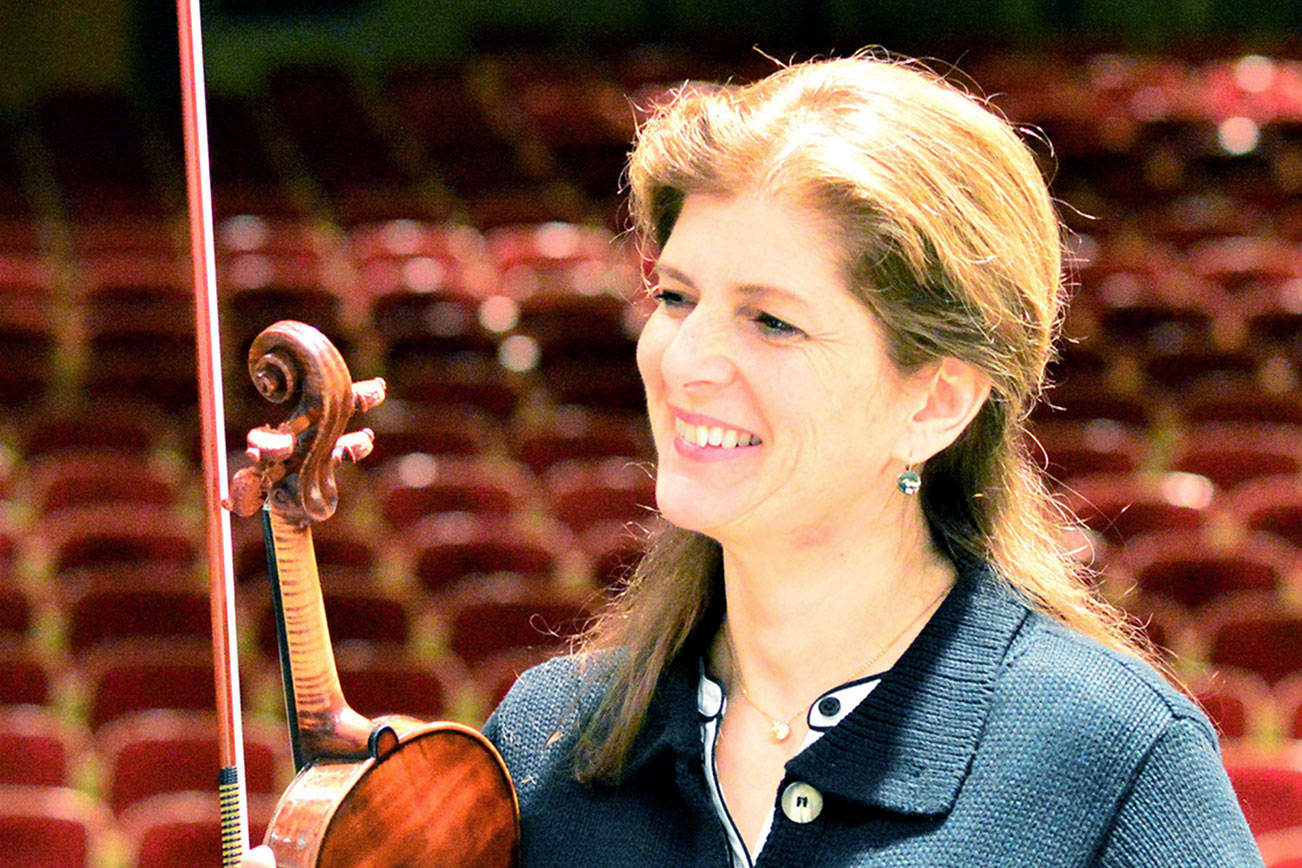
951	393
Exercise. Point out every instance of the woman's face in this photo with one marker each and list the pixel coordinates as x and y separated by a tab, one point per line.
773	405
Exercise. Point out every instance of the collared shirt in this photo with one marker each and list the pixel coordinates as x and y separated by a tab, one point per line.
824	713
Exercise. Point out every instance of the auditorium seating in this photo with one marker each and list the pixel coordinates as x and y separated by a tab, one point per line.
456	230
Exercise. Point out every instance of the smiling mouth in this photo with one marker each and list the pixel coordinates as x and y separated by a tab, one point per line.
722	438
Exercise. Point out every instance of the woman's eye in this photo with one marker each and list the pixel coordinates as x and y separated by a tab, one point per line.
771	325
670	298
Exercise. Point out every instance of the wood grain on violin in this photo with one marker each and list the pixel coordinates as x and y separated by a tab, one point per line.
392	791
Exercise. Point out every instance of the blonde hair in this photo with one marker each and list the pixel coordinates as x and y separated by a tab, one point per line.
951	240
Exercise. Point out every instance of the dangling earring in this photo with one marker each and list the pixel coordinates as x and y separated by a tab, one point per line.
909	481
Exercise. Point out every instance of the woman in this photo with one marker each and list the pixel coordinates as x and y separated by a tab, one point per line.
855	640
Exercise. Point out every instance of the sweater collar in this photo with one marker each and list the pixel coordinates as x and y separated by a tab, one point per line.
907	747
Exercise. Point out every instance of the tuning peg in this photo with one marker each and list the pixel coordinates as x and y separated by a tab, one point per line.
355	446
246	493
368	394
269	444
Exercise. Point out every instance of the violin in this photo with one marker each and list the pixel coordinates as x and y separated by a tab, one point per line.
376	792
392	791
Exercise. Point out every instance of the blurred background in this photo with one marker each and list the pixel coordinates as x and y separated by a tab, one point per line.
436	185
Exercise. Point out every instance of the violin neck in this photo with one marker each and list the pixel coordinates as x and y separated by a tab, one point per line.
321	724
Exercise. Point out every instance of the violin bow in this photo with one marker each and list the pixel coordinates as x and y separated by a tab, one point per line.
231	791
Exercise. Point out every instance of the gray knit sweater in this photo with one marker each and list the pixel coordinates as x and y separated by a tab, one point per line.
1000	738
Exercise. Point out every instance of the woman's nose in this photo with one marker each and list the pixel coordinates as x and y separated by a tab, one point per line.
699	356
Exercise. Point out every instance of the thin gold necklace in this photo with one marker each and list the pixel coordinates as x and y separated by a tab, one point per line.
780	727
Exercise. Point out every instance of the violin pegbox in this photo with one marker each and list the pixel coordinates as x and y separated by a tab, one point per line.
294	462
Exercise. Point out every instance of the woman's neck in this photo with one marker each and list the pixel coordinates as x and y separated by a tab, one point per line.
802	619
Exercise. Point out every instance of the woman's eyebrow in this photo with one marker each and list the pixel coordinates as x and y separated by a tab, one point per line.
673	273
749	290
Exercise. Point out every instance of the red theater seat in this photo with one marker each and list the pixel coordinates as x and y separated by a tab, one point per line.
482	630
1289	694
466	380
1230	455
36	749
183	830
17	611
1271	796
585	493
51	827
403	427
1184	568
1235	404
576	433
416	486
109	535
395	683
1237	702
1255	632
1121	508
140	337
1272	505
140	675
453	547
124	426
27	336
101	476
155	752
1072	449
25	677
136	604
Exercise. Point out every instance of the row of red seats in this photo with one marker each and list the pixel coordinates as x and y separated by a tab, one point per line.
130	675
158	806
447	507
1224	454
454	451
417	146
506	124
1145	88
44	824
1222	611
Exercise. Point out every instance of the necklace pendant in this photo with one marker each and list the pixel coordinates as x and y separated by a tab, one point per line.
780	729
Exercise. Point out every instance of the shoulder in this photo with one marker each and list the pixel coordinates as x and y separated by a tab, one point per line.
1089	695
546	694
537	722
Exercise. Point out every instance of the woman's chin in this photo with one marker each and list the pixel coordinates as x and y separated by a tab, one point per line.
692	511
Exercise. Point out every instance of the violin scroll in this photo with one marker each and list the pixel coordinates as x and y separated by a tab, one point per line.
294	462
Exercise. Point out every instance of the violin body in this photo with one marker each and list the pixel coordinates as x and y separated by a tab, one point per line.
442	798
391	791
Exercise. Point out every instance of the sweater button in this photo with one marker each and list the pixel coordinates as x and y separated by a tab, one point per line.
801	802
829	706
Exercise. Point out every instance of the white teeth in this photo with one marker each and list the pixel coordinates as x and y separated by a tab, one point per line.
704	435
